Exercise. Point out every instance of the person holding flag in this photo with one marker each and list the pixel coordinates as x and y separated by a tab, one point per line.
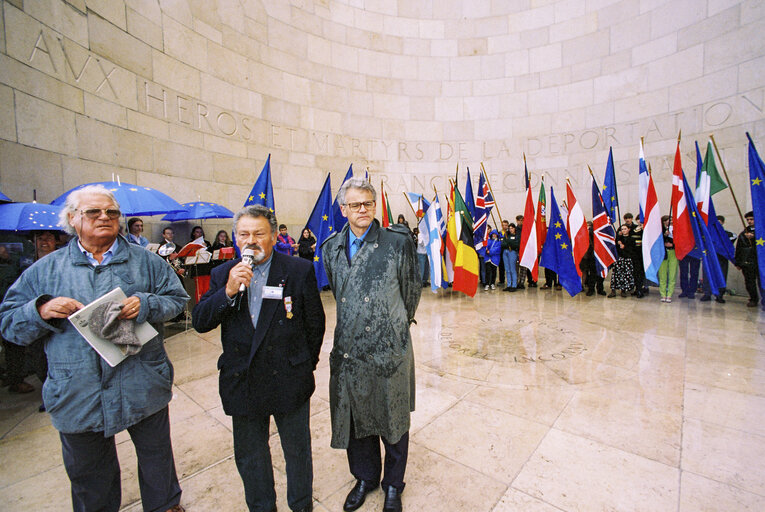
752	261
556	253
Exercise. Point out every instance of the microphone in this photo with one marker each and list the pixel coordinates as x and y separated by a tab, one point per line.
248	256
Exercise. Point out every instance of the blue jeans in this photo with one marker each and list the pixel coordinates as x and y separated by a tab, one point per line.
510	259
91	463
253	458
422	259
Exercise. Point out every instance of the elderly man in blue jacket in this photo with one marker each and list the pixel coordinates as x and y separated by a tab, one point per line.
272	328
90	401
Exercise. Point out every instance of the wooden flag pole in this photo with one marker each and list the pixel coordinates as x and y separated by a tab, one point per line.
496	205
410	206
730	185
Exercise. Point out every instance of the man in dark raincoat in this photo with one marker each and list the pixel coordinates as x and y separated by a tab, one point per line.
373	275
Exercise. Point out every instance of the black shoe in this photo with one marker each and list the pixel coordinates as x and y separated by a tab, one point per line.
513	289
720	299
508	289
639	295
705	298
590	293
751	304
41	408
309	508
358	494
533	284
601	292
392	500
521	287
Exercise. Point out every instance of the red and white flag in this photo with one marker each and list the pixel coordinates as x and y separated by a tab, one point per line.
576	227
682	232
529	247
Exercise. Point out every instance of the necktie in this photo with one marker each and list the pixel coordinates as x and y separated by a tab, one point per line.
355	247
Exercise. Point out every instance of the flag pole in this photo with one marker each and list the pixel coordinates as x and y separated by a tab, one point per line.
496	205
410	205
730	186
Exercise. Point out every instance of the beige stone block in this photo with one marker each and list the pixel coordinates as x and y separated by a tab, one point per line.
207	31
147	125
44	125
750	75
655	49
709	28
585	71
226	64
24	169
224	145
530	19
399	26
673	16
530	126
747	42
7	114
493	129
319	50
568	121
504	43
119	46
403	67
319	119
62	18
287	38
514	105
616	12
545	58
418	88
110	10
517	63
31	42
96	140
462	68
460	130
574	28
183	161
570	9
620	85
527	82
616	62
711	87
105	110
184	135
265	79
444	48
77	171
176	75
422	109
149	9
642	106
586	48
432	29
2	34
144	29
449	109
493	86
374	63
417	46
345	57
178	10
363	104
543	101
231	169
393	129
472	47
630	33
492	66
390	106
423	130
685	65
216	91
433	68
368	20
752	10
555	77
133	149
535	38
281	112
183	43
599	115
481	107
576	95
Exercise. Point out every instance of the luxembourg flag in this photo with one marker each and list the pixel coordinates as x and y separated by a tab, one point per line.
577	228
642	184
653	239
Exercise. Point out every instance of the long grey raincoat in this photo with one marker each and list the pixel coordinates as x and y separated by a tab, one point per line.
372	362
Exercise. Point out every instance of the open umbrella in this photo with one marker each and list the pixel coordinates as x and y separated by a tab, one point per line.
200	210
133	200
29	217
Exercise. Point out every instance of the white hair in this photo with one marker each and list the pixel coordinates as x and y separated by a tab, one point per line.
72	204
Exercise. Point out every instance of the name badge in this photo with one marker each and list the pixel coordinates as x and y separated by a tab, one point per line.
272	292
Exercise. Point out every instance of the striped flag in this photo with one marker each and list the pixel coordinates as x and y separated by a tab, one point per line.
653	236
434	222
603	234
643	178
681	219
541	221
529	247
576	227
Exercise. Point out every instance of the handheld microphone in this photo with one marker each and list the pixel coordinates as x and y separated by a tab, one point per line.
248	256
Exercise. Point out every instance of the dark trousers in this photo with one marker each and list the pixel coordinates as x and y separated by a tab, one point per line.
551	278
91	462
592	277
751	281
491	272
253	458
365	463
638	273
689	275
15	363
501	272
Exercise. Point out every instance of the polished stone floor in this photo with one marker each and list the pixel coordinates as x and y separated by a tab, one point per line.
528	401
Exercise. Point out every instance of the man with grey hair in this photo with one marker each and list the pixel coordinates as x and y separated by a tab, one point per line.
272	330
90	401
373	274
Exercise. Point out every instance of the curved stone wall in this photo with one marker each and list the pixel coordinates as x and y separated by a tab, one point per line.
190	96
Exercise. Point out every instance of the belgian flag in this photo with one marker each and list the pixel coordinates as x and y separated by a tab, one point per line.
459	232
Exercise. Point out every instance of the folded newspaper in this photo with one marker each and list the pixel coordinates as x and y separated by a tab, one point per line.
111	353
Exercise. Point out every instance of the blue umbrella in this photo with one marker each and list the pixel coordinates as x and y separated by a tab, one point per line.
5	198
29	217
133	200
200	210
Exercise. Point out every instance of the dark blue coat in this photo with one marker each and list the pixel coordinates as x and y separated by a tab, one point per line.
268	369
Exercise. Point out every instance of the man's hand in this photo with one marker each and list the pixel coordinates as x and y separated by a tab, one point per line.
131	308
59	307
241	273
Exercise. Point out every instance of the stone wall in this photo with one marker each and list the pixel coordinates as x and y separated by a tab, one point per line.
190	96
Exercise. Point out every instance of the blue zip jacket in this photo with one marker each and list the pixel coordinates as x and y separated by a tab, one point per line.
82	392
493	249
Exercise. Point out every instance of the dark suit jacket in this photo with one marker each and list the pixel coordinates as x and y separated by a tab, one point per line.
268	369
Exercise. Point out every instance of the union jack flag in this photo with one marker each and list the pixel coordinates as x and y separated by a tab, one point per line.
603	234
483	205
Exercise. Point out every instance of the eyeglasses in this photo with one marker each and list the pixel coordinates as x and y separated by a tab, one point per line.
94	213
354	207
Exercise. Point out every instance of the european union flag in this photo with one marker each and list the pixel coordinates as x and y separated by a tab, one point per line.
337	215
262	192
757	184
321	224
469	197
556	252
610	196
